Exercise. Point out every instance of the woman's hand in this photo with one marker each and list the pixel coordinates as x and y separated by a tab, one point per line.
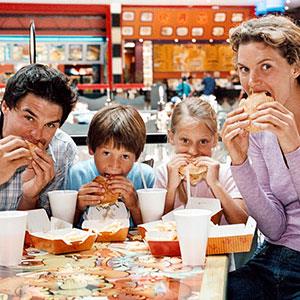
89	194
274	117
173	166
235	137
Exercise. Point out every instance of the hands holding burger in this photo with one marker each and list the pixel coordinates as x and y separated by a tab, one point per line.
257	113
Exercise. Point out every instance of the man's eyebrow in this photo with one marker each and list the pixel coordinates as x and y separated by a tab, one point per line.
28	110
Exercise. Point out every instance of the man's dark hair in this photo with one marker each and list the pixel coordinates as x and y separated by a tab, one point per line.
42	81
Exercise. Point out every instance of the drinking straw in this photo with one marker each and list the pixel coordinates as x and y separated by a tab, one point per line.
143	177
188	184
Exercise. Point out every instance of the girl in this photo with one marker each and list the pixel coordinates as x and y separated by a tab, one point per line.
193	134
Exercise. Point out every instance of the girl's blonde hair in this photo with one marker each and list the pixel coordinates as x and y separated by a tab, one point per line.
196	108
276	31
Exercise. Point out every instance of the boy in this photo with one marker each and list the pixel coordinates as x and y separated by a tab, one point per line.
116	138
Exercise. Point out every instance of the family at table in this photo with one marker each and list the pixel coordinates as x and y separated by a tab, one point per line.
262	179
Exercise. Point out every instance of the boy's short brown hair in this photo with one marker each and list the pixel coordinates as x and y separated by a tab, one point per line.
121	124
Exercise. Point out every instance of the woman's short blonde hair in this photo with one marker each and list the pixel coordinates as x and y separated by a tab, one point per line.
278	32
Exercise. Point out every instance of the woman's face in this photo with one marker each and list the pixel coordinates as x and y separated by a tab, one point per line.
192	137
261	68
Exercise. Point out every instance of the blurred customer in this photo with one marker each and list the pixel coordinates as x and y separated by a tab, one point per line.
183	89
209	84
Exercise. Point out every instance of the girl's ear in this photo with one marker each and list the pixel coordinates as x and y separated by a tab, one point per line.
91	152
170	137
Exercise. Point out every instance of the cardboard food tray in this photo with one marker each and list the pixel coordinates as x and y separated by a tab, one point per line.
54	236
119	235
222	239
59	245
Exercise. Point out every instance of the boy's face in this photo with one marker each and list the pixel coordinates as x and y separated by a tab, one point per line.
112	161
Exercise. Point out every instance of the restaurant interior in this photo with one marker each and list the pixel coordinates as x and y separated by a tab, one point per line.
136	53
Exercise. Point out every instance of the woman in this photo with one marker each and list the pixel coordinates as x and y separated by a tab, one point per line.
265	165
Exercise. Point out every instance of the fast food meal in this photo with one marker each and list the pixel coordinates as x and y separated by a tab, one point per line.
32	146
197	173
250	106
110	198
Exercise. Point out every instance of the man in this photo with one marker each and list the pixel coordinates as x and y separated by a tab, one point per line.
34	153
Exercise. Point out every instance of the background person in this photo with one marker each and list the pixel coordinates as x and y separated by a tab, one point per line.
36	102
265	165
183	89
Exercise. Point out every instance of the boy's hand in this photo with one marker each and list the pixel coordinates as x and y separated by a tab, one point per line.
123	186
89	194
173	166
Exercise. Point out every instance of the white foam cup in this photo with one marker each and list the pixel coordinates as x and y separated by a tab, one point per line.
12	234
63	204
152	203
192	229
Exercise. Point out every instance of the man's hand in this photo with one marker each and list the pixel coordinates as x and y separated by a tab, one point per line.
14	153
38	174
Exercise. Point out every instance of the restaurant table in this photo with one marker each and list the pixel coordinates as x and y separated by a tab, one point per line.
112	271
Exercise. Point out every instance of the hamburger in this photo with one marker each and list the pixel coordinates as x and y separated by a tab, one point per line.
110	198
197	173
31	146
250	107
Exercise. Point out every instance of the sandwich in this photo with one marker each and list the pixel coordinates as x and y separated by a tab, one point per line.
250	107
197	173
110	198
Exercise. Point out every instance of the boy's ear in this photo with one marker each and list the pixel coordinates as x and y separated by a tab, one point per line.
170	137
91	152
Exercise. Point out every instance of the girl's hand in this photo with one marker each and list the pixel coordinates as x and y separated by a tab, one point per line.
173	166
235	137
90	194
213	167
274	117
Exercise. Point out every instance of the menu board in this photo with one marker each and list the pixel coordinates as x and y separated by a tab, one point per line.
192	57
20	53
75	52
57	53
93	52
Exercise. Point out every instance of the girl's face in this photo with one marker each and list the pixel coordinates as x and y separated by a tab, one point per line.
261	68
110	160
192	137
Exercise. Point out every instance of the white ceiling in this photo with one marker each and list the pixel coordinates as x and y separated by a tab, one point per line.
289	3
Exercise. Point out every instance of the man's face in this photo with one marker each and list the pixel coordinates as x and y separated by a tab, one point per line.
34	119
